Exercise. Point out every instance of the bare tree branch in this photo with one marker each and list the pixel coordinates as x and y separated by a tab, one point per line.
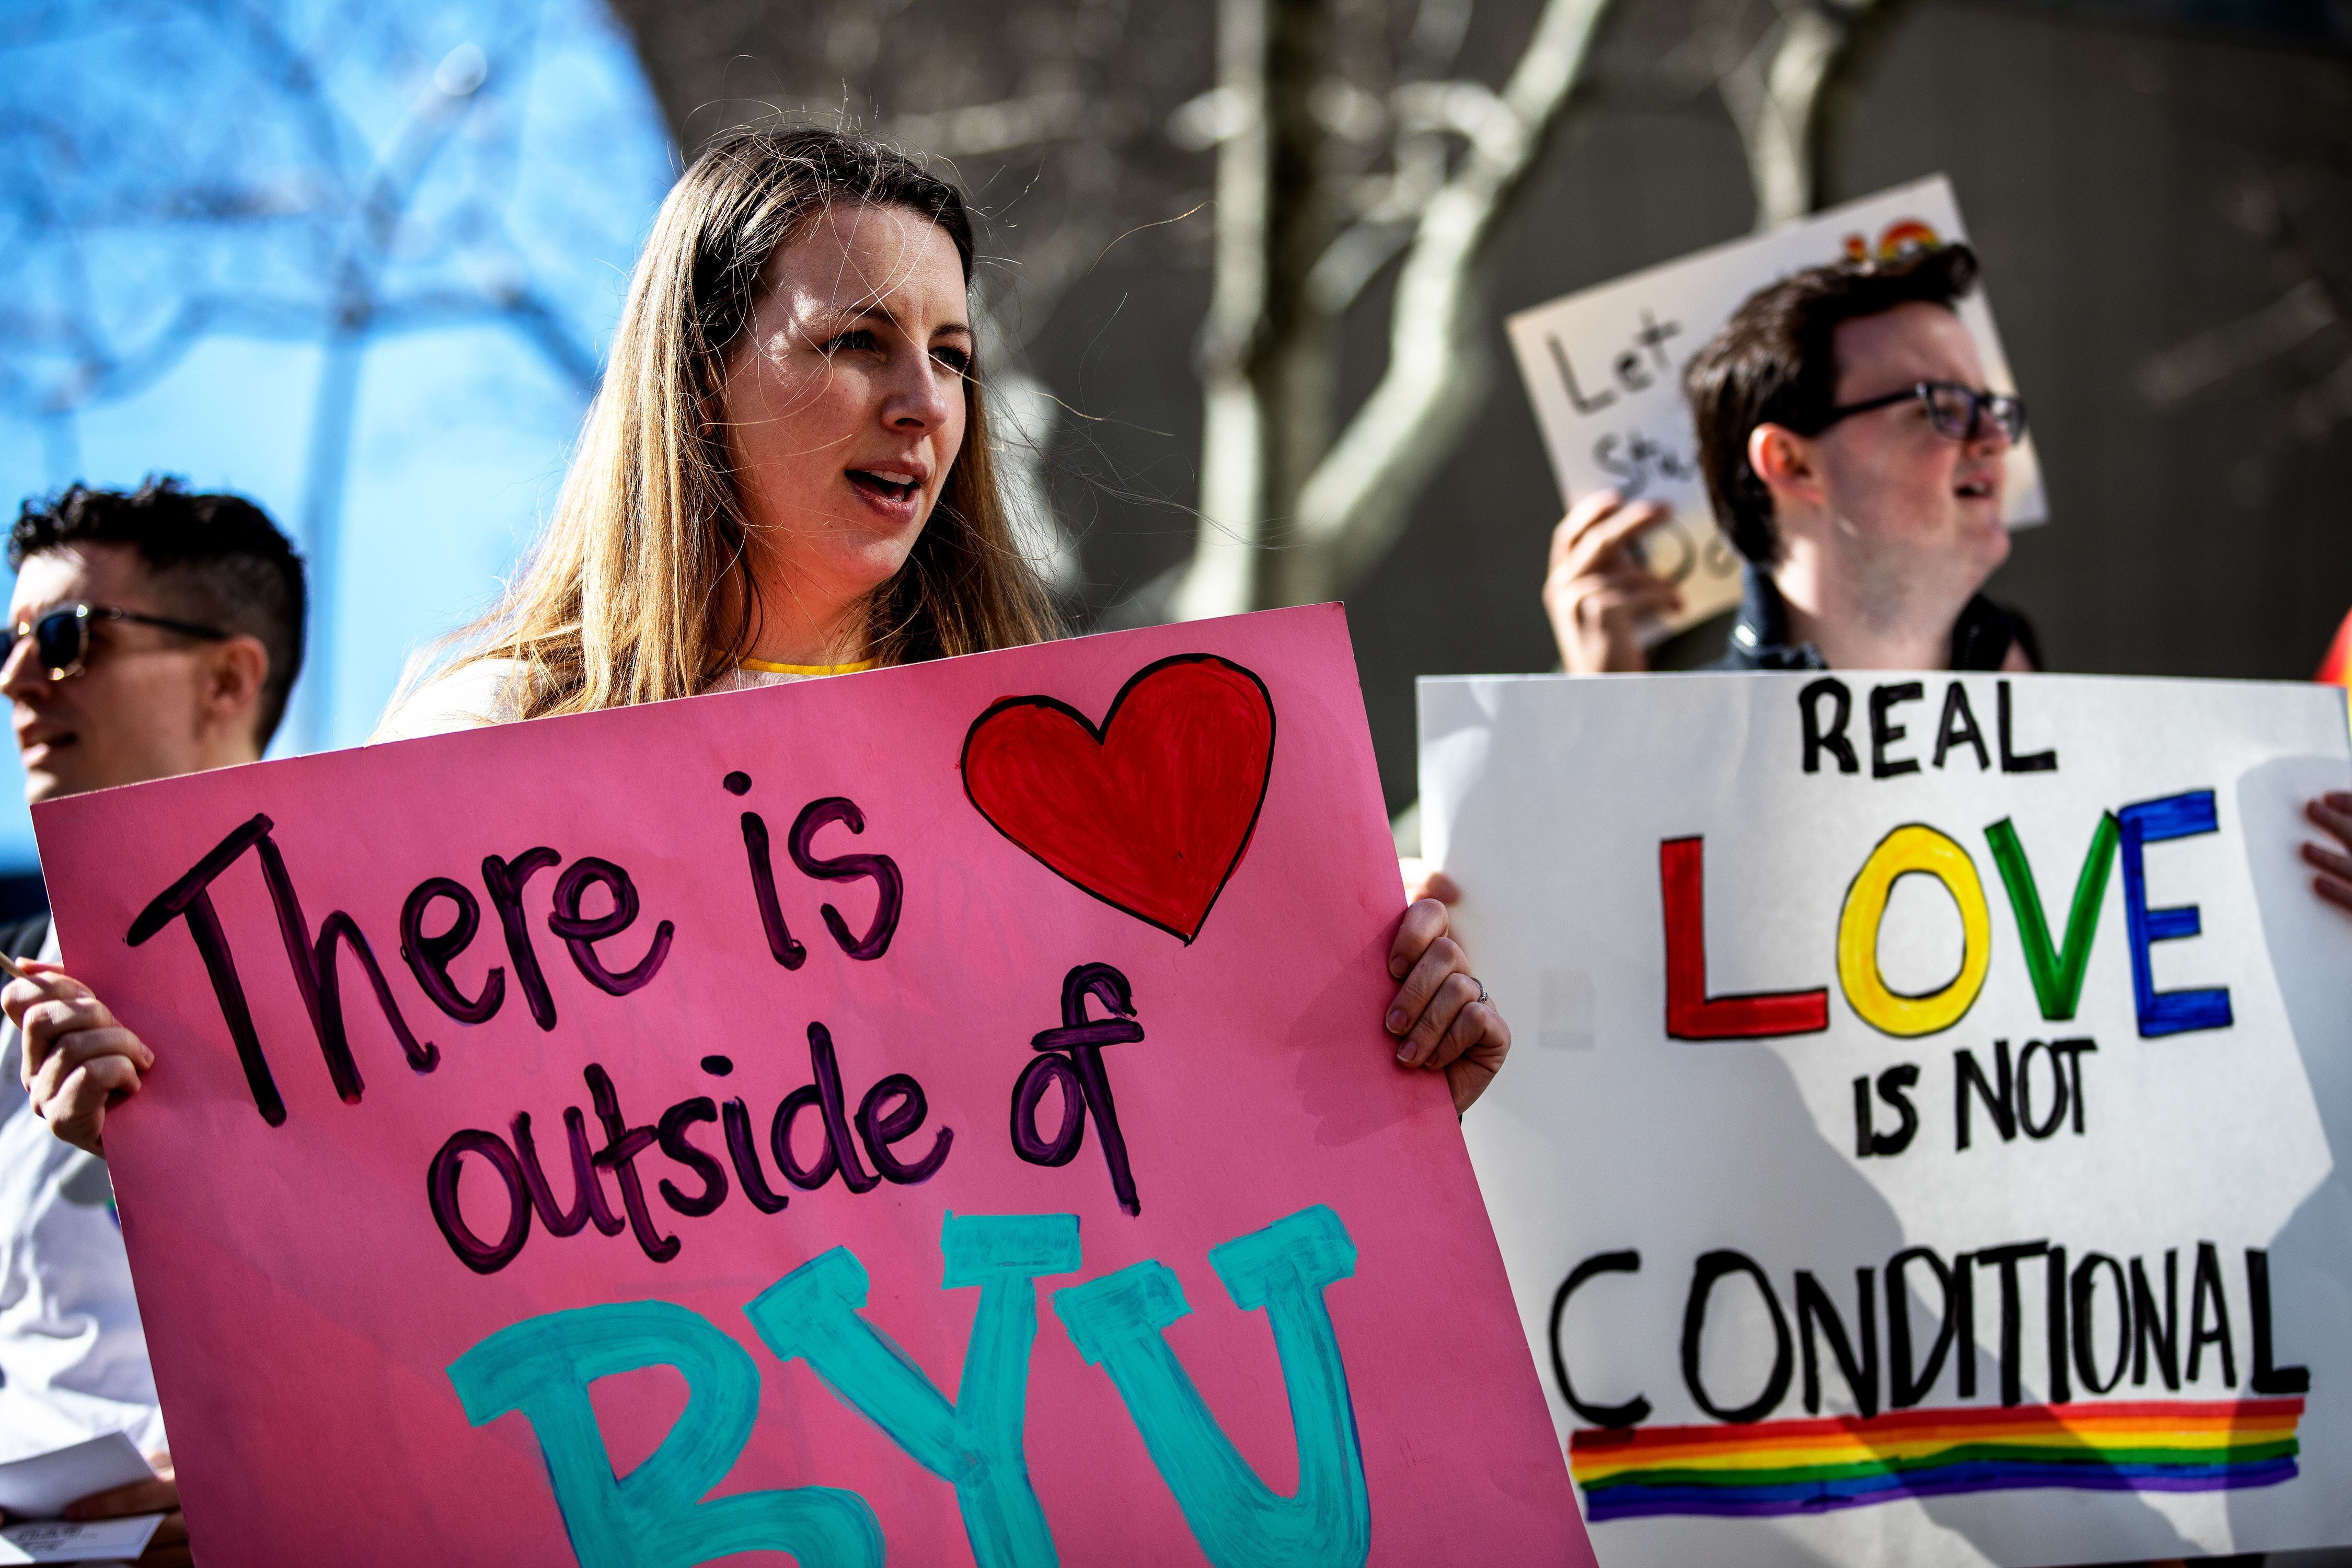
2310	323
1353	509
270	170
1350	504
1773	94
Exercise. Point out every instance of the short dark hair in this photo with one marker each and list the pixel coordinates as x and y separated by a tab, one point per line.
1774	362
217	559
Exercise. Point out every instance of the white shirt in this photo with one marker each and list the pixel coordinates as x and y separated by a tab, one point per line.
489	691
72	1354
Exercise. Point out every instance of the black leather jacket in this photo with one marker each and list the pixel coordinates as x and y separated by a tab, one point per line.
1981	637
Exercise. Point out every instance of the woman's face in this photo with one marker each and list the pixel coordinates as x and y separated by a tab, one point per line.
846	410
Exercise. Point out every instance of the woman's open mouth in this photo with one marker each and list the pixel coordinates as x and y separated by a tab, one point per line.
894	487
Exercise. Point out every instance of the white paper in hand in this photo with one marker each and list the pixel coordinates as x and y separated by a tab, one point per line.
1605	370
89	1542
41	1486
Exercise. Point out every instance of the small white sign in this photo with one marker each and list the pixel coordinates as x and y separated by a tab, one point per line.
41	1486
91	1541
1604	369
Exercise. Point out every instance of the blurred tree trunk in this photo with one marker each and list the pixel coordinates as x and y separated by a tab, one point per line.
1290	512
1776	97
1268	357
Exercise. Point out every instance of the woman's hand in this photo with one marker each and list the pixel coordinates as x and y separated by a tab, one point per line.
77	1059
160	1494
1441	1017
2333	813
1596	589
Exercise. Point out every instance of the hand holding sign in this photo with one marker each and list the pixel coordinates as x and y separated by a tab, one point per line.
1604	369
1441	1013
77	1057
1598	590
1151	812
2332	813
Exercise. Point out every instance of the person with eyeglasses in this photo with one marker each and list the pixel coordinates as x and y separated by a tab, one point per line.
151	634
1855	456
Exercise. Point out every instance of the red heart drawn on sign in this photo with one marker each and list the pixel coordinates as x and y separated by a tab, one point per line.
1149	813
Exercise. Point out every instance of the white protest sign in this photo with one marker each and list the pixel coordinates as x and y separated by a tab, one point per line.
1920	1145
1604	367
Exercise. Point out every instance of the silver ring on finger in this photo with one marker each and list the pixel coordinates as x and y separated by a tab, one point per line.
1482	988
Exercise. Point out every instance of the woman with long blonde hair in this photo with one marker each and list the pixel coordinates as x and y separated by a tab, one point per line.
788	471
785	475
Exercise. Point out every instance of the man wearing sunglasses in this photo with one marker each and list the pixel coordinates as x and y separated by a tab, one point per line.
1855	456
151	634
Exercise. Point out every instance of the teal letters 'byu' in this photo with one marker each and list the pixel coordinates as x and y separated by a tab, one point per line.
975	1443
1117	1322
649	1519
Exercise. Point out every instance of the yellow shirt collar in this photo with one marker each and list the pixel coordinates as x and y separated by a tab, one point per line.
764	668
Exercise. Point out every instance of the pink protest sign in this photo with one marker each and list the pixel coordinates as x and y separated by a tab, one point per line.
941	1112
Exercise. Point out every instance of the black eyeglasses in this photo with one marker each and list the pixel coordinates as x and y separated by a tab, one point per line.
1956	411
61	637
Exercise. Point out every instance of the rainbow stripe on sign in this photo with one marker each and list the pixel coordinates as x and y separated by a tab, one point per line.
1772	1467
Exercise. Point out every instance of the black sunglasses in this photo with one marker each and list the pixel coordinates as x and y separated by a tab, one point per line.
1956	411
61	637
